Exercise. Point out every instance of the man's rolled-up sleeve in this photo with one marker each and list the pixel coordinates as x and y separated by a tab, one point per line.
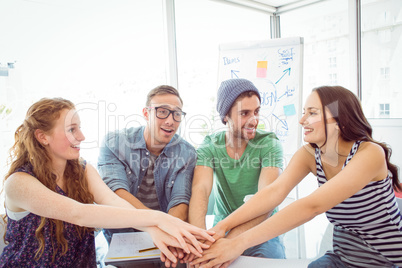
181	192
272	153
110	168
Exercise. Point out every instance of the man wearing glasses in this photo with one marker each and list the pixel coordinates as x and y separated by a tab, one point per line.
151	166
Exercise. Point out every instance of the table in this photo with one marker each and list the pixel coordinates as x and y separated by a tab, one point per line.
154	263
254	262
241	262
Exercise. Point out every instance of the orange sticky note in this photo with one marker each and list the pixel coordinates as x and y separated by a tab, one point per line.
262	64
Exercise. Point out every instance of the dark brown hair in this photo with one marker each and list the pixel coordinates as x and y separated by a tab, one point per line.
162	90
346	109
246	94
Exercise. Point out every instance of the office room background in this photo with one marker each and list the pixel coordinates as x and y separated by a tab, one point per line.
106	55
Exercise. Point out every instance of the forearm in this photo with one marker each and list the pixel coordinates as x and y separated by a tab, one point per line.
101	216
283	221
116	201
270	196
247	225
201	189
180	211
130	199
262	203
198	209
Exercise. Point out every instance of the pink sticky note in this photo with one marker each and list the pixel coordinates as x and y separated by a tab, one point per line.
261	72
262	69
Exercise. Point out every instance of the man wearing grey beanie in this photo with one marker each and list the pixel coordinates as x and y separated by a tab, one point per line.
243	159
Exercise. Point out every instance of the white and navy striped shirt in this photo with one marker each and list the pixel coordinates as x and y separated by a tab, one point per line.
368	225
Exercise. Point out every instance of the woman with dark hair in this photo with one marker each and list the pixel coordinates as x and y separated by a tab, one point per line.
50	194
356	190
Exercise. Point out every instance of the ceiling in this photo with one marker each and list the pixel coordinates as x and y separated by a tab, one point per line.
272	6
277	3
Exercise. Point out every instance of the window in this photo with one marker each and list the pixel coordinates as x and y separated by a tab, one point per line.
332	45
332	62
198	41
381	46
384	36
384	110
386	17
3	70
333	79
384	73
102	55
325	29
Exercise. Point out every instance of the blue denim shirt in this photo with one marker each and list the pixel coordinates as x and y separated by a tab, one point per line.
124	159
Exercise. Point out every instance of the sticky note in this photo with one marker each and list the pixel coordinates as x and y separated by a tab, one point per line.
262	69
262	64
289	109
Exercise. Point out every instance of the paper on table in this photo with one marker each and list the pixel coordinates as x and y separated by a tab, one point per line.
125	246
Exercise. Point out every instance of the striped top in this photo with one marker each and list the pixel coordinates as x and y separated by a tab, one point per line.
147	192
368	225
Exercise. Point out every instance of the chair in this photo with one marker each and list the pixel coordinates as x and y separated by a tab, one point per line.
399	202
211	202
326	242
399	199
209	219
2	231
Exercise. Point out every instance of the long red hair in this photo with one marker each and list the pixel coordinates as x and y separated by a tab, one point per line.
28	150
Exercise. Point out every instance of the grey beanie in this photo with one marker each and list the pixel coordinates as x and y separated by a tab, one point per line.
229	91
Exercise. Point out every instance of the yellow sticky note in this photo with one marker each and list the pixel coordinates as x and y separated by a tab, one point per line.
262	64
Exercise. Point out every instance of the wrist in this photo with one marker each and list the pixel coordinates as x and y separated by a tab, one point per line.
223	226
240	242
155	217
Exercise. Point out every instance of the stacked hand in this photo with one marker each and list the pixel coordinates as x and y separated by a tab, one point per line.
220	255
215	255
175	237
180	241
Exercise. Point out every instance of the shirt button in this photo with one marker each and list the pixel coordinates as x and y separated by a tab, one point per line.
138	187
172	182
146	153
142	169
129	172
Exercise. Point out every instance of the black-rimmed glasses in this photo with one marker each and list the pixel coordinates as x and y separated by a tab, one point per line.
163	113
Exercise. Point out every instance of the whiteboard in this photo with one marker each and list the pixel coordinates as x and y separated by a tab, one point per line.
276	68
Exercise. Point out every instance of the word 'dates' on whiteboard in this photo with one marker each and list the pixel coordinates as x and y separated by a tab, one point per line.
275	68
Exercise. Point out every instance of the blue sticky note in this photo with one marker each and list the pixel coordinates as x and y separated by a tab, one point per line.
289	109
